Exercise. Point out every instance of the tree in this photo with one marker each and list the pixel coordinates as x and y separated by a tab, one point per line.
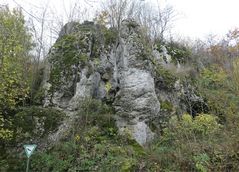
156	21
116	10
15	66
224	51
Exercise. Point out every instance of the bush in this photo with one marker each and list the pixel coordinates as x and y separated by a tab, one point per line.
201	127
164	78
166	105
184	142
213	78
217	88
36	122
180	53
95	112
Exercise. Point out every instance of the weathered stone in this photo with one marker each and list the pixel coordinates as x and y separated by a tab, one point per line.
128	75
122	72
137	129
136	100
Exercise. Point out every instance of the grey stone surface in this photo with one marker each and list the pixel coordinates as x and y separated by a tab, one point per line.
135	100
123	65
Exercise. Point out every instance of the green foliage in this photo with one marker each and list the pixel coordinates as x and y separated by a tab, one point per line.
94	107
205	125
166	105
93	145
39	96
96	146
5	132
110	35
234	77
60	158
86	27
213	78
30	124
179	52
40	122
15	45
70	52
165	78
214	84
201	162
195	144
201	127
14	55
37	90
219	88
13	89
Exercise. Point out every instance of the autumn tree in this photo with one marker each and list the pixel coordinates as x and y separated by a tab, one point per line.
15	46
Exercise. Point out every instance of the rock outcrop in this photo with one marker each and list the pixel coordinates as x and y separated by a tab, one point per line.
89	61
136	101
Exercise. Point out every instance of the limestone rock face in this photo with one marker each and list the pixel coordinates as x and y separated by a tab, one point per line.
88	61
136	101
132	88
136	97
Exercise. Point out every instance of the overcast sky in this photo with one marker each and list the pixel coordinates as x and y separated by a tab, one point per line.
196	19
203	17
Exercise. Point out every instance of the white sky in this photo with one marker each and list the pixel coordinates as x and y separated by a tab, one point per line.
203	17
197	18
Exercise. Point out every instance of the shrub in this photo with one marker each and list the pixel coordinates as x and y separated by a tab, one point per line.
166	105
206	125
213	78
198	128
36	122
164	78
185	141
179	52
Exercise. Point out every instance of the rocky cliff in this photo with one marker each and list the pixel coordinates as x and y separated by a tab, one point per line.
120	68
